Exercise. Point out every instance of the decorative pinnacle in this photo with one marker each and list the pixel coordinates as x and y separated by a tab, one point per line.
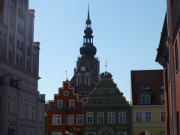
106	65
88	12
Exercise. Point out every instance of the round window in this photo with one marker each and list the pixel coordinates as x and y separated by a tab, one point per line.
66	93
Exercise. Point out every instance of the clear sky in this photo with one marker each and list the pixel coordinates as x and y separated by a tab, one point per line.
126	34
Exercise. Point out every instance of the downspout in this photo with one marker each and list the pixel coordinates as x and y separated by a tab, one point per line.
171	73
167	98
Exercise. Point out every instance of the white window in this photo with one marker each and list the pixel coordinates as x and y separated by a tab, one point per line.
59	103
56	133
121	133
111	117
89	117
100	117
122	117
70	119
148	116
145	99
71	103
90	133
138	117
56	119
79	119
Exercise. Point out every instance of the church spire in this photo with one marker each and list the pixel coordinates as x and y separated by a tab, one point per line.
88	49
88	21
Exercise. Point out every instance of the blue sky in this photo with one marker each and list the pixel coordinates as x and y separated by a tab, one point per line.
126	34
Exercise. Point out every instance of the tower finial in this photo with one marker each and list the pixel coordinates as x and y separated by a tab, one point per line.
106	65
88	12
66	76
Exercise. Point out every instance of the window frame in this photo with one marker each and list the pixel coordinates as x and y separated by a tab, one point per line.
139	116
79	119
56	133
122	114
58	105
70	119
149	120
162	118
55	120
111	117
89	118
121	133
70	105
145	99
90	133
100	118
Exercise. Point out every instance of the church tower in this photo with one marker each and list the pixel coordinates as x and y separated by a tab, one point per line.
86	73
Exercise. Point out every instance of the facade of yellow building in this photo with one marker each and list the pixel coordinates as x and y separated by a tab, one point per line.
148	108
148	120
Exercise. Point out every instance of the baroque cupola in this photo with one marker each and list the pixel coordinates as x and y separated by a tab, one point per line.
88	49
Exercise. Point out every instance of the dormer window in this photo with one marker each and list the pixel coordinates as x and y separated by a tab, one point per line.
145	99
145	87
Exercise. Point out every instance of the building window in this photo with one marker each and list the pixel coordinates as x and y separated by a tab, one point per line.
145	99
59	104
162	87
99	92
90	133
70	119
56	119
122	117
162	116
121	133
176	55
162	99
89	117
71	103
100	117
163	132
112	91
66	93
138	117
145	87
79	119
111	117
56	133
148	116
